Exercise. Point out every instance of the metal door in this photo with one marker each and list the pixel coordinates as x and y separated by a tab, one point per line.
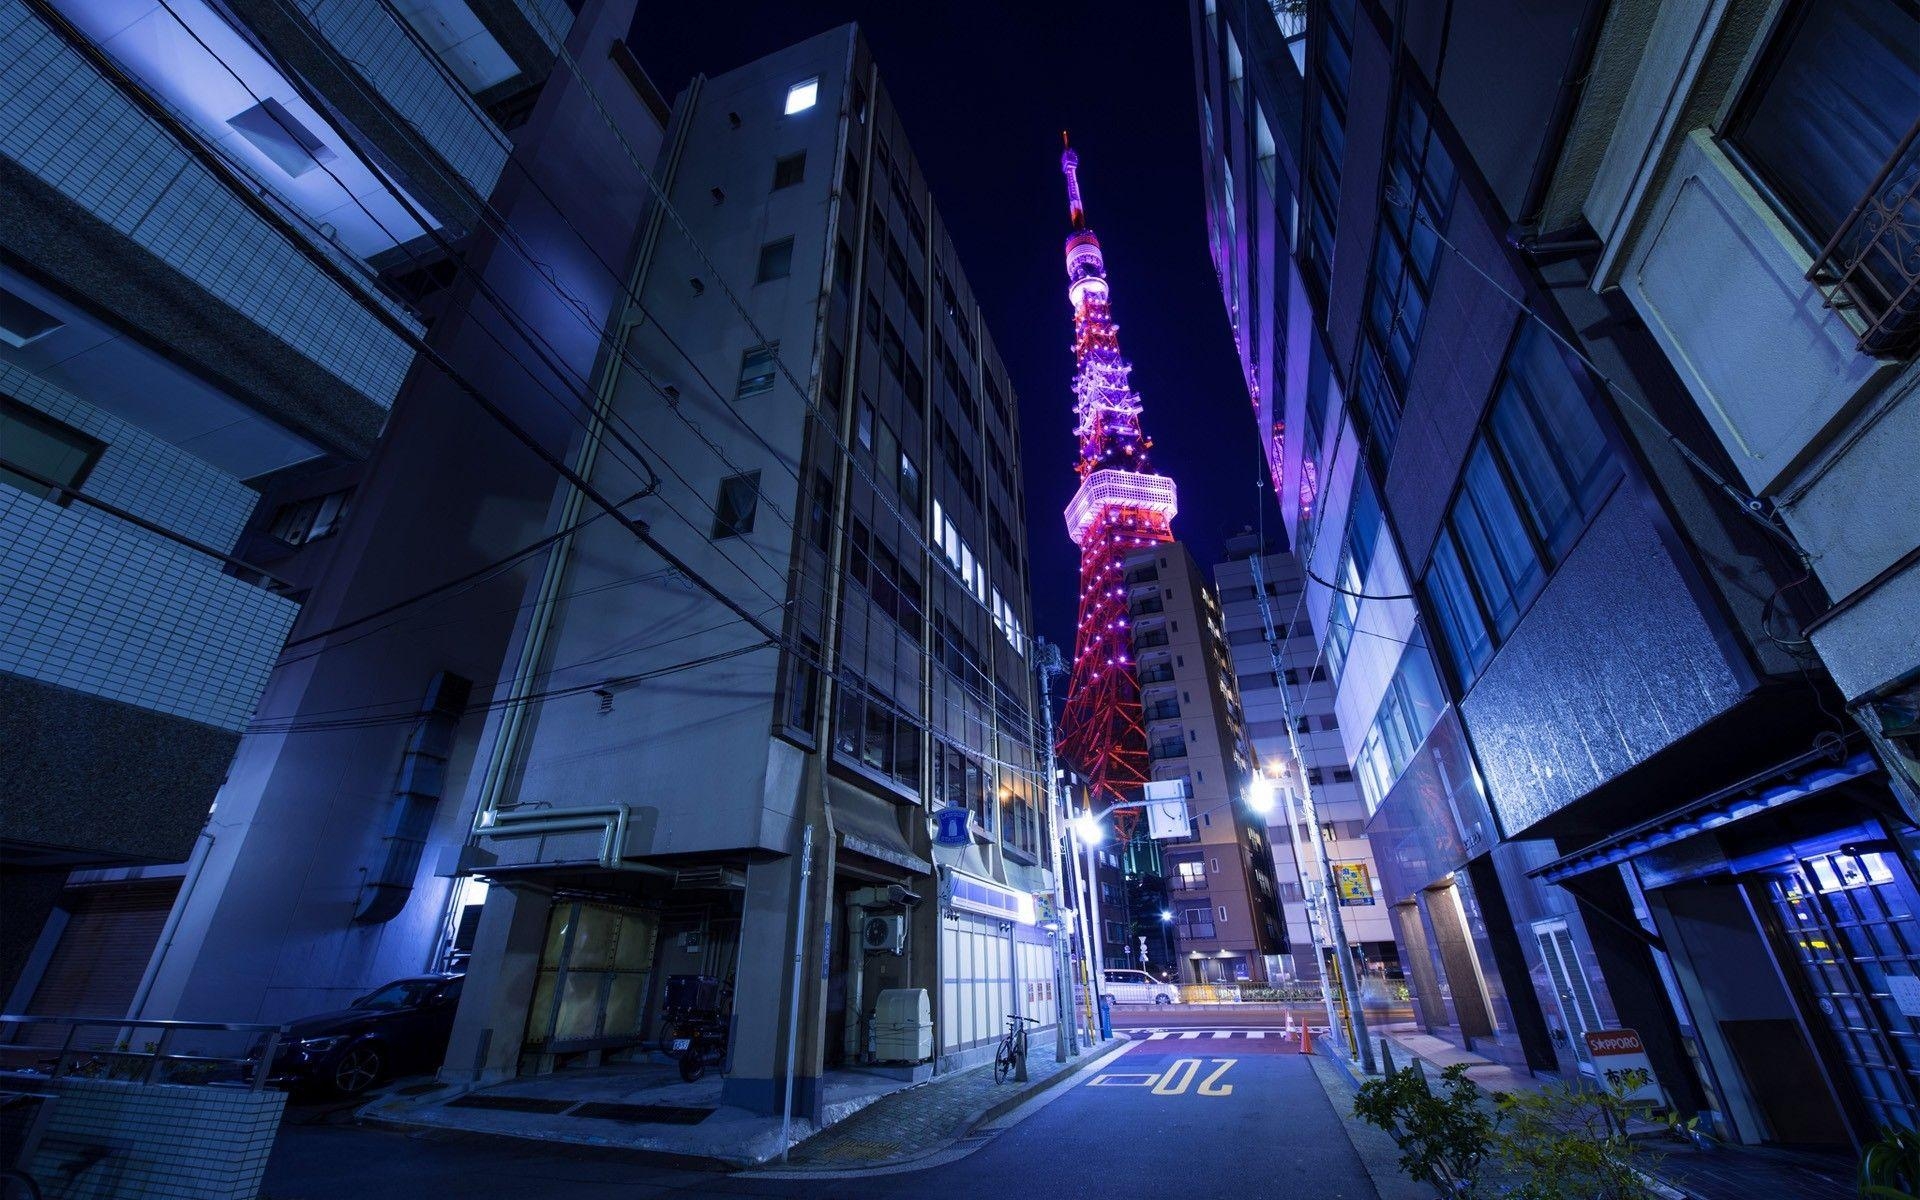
1571	991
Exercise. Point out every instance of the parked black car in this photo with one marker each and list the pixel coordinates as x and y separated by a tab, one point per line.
396	1029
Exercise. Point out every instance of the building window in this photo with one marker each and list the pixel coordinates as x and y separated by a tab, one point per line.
776	261
1827	106
739	499
1333	65
789	170
1539	470
309	520
757	370
34	442
1406	256
803	96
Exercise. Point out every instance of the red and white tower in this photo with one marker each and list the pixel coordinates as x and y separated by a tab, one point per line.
1121	506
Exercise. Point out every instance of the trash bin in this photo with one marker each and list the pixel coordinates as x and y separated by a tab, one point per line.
1106	1017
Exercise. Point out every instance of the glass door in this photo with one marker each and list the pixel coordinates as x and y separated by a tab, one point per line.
1850	923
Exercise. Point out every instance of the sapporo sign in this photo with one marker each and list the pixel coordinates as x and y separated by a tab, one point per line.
1620	1060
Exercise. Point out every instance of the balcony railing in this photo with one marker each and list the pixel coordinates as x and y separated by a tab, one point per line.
1141	608
1152	637
1143	575
1162	750
1196	930
1158	673
1872	262
1165	710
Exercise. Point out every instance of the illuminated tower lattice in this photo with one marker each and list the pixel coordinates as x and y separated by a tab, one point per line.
1121	506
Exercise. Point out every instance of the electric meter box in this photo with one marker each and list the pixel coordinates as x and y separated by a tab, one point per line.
903	1026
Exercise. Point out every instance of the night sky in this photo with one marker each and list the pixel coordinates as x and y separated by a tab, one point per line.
984	89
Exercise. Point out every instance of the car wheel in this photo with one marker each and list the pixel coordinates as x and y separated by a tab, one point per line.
1163	998
358	1069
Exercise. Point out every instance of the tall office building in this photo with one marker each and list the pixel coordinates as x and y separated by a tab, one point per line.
1219	879
1322	762
1577	356
211	220
690	711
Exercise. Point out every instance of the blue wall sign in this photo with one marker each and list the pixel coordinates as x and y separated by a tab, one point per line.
952	829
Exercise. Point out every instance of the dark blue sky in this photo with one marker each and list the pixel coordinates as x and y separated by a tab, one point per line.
984	89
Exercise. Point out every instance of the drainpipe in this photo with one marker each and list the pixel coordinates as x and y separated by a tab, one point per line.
799	976
196	863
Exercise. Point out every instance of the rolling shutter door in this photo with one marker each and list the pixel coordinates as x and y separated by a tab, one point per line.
110	935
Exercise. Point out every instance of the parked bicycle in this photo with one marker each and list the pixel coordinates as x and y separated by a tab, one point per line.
1013	1047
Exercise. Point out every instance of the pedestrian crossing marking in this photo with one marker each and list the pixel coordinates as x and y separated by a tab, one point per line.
1187	1037
1222	1033
1256	1033
1155	1037
1161	1035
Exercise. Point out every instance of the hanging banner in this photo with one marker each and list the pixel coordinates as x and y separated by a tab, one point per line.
1166	803
1353	883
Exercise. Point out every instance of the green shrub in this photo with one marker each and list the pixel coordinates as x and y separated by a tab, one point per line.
1568	1142
1443	1135
1890	1167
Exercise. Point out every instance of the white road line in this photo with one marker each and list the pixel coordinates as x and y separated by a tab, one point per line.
1155	1037
1222	1033
1256	1033
1187	1037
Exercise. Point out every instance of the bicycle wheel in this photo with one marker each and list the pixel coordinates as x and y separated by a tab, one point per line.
1002	1061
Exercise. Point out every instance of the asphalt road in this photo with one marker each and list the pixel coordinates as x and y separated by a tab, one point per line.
1194	1117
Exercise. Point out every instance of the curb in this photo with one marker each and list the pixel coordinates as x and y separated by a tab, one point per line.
1090	1058
976	1132
471	1137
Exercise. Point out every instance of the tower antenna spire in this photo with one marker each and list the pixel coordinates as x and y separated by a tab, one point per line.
1070	167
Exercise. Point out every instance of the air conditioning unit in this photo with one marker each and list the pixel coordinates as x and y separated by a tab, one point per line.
884	933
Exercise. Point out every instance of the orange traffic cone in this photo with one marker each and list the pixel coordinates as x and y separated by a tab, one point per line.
1306	1039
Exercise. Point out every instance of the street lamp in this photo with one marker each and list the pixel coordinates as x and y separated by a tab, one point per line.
1166	936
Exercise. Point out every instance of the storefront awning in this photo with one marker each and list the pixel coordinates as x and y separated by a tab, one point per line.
867	824
1793	780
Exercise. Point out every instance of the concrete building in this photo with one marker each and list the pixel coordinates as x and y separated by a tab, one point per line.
1220	878
693	713
210	225
1337	799
1603	773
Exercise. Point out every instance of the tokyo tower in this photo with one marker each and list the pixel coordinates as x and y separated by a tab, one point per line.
1120	507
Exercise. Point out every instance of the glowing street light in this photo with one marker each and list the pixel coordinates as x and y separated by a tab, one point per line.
1087	828
1260	794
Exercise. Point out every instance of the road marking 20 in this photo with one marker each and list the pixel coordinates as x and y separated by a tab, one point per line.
1180	1076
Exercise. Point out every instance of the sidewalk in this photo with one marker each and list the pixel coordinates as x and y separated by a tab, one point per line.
870	1117
1688	1171
933	1116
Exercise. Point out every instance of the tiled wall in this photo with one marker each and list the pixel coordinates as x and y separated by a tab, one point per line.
372	39
91	602
65	124
160	1142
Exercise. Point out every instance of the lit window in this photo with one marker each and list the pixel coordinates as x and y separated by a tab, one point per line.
756	370
803	96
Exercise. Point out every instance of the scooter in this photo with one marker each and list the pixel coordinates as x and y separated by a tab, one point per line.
696	1025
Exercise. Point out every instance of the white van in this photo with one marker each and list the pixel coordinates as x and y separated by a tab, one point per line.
1138	987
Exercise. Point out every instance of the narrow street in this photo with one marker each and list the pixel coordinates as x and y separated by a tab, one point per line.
1239	1114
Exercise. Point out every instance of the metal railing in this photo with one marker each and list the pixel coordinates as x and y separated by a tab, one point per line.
137	1051
1871	264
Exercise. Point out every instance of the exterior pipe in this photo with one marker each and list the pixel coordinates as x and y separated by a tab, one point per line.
196	863
799	975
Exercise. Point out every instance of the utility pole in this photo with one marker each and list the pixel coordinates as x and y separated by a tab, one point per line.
1046	665
1349	983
